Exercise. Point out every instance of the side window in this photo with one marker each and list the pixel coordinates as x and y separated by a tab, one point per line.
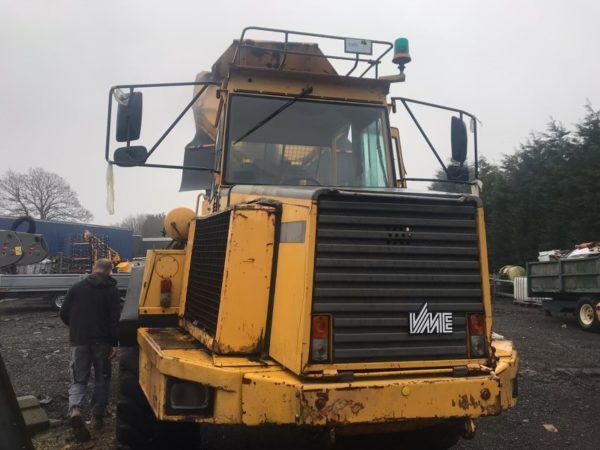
399	169
373	158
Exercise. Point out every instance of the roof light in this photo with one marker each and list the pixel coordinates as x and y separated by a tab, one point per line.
401	53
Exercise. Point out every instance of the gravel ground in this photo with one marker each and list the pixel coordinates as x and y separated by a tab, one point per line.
559	401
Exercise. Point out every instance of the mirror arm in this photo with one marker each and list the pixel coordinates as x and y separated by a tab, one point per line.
475	151
176	121
425	137
404	100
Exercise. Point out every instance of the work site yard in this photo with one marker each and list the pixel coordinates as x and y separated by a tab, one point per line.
559	378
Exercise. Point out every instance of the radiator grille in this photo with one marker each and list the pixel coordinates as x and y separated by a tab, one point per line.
380	258
206	271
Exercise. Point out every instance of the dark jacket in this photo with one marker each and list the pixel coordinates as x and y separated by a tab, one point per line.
91	310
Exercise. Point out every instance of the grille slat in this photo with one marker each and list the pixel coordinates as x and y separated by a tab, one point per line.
206	271
395	306
380	258
396	278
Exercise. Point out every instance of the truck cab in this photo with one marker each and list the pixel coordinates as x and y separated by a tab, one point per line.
311	290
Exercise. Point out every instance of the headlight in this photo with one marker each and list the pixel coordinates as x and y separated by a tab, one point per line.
187	397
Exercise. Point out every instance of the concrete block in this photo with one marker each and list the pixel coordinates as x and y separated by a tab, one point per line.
34	415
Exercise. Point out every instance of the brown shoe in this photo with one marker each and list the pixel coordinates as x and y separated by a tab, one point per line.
79	430
97	423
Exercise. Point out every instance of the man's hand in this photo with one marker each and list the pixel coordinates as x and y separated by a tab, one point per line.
113	353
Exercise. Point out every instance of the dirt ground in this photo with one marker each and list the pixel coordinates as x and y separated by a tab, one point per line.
559	386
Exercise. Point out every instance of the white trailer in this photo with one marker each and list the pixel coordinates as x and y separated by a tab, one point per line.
51	287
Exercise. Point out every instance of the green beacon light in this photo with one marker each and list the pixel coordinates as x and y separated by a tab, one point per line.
401	54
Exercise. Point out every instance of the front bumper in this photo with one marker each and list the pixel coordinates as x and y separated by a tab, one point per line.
252	393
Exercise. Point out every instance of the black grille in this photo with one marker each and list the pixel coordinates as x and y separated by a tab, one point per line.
379	258
206	271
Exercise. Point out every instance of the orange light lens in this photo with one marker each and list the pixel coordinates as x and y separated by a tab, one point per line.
476	325
320	327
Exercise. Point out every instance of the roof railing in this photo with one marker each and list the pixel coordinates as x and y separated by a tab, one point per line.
355	46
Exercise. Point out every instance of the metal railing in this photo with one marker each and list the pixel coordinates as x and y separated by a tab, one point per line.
370	63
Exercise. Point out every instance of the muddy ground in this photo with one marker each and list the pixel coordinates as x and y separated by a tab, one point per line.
559	401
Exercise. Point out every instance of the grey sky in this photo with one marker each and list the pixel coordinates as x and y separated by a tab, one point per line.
514	64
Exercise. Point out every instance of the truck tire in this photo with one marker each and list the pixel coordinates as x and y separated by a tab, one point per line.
585	312
137	427
56	300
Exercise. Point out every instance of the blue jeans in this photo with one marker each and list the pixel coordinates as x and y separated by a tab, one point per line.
83	358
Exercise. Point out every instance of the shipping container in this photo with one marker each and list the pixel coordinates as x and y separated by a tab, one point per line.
60	236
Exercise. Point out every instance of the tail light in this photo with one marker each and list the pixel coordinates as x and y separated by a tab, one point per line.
319	342
165	293
477	334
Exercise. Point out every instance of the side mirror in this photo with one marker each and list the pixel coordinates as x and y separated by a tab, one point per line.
458	135
458	173
135	155
129	116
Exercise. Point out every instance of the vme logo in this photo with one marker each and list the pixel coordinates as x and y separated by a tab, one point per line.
426	322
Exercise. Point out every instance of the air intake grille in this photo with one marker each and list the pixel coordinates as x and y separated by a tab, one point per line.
206	271
380	258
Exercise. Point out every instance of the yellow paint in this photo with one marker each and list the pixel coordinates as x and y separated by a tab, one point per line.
246	283
485	273
253	394
162	265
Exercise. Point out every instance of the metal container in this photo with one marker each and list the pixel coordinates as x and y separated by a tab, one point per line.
60	236
568	277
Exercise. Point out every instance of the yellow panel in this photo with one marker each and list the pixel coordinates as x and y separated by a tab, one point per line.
291	299
391	399
253	395
162	265
246	280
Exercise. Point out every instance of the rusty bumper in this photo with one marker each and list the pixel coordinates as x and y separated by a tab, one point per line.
254	394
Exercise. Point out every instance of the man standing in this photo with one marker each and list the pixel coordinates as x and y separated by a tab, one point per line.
91	310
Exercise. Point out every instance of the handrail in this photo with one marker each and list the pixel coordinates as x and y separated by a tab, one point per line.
371	63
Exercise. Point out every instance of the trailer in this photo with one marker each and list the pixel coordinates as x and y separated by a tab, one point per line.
51	287
572	284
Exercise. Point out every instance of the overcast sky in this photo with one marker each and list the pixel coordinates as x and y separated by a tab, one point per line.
515	64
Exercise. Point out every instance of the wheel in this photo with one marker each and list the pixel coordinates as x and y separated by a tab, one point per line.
137	427
586	314
56	300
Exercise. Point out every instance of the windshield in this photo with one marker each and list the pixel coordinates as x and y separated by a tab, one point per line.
306	143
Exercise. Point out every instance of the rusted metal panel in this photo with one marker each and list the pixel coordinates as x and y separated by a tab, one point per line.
246	281
162	265
257	395
375	401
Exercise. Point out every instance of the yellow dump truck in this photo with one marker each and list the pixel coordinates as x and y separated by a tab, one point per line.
311	299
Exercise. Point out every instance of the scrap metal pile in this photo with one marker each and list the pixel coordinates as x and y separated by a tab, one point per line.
18	248
583	250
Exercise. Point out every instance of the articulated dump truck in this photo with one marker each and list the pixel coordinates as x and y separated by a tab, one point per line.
311	300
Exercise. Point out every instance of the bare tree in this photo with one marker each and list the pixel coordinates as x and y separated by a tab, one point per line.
133	223
40	194
146	225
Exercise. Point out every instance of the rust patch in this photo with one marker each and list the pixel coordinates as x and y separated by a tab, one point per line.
357	407
463	402
321	401
326	412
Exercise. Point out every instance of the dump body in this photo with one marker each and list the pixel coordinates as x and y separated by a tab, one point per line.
564	278
570	285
